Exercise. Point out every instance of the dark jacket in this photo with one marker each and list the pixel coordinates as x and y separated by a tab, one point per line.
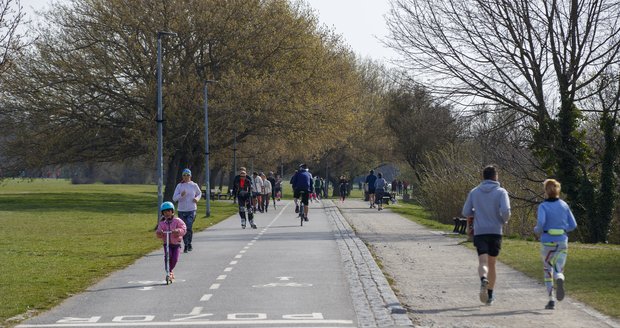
237	185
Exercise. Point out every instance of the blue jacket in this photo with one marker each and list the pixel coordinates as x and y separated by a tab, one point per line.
554	214
488	203
370	180
302	180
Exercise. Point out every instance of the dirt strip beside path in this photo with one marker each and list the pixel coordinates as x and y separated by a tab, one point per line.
436	279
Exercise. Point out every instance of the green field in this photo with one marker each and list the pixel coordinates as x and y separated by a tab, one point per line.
592	271
58	238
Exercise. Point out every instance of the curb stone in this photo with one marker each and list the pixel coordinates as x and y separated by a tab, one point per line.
374	301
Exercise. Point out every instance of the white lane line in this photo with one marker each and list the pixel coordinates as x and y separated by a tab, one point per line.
215	286
243	251
228	269
206	297
238	256
246	247
222	277
232	262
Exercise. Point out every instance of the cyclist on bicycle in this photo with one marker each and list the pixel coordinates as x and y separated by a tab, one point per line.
302	181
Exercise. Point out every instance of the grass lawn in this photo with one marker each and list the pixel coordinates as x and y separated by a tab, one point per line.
58	238
592	271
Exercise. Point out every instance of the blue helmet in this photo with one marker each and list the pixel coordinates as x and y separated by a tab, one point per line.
166	206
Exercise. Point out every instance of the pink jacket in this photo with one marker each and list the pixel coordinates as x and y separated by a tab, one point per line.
176	225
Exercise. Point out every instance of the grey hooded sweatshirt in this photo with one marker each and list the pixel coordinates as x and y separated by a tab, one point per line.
488	203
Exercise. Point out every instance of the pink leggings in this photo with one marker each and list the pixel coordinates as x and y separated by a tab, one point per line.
175	251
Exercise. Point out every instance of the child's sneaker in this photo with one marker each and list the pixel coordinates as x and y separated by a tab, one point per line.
550	305
484	294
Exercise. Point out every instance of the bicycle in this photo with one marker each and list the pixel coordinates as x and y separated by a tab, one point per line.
301	207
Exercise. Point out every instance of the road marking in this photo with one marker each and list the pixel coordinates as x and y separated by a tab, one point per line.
233	262
288	284
242	251
238	256
246	247
284	278
133	318
215	286
206	297
348	323
228	269
146	288
222	277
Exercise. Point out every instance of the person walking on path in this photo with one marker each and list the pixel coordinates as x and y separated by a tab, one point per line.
380	185
177	228
489	204
257	192
370	185
317	187
278	187
187	194
242	189
342	184
267	189
272	180
555	219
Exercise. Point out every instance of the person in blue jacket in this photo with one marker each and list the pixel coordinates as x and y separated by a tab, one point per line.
555	219
302	181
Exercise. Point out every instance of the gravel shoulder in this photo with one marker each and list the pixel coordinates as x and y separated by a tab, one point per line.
436	279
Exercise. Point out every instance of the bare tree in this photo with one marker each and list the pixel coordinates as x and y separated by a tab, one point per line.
11	16
536	58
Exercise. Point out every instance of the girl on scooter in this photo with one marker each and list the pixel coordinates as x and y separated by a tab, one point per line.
176	228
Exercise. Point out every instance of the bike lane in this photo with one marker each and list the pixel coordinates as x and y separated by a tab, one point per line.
279	275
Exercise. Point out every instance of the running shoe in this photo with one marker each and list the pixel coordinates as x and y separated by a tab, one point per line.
296	208
490	300
484	294
550	305
559	288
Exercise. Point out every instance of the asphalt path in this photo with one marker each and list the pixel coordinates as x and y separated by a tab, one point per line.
279	275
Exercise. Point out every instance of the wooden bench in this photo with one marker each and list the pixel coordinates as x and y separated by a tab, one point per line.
216	194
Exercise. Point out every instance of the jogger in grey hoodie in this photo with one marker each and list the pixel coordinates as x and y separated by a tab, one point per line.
488	203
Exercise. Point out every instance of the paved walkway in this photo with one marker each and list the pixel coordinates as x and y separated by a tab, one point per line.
436	279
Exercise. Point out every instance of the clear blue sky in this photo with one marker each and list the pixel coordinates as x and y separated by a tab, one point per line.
360	22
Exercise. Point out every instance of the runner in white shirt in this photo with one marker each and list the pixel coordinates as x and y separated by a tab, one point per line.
187	193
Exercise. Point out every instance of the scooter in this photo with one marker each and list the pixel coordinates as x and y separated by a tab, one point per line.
167	258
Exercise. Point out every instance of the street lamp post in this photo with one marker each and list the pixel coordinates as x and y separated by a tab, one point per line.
160	121
207	172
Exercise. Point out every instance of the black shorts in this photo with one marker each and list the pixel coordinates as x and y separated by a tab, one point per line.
488	244
371	191
304	196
